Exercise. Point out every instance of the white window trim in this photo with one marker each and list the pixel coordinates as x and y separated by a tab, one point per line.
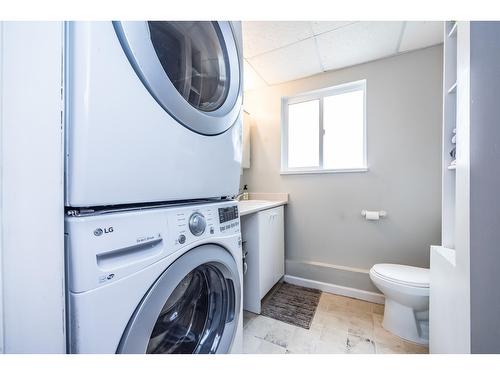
319	95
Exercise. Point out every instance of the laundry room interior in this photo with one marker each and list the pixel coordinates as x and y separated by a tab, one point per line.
249	187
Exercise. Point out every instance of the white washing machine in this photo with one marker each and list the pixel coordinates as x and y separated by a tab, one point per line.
157	280
152	111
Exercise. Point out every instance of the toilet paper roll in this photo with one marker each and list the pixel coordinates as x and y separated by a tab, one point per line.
372	215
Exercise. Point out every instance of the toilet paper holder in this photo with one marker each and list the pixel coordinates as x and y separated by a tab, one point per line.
380	213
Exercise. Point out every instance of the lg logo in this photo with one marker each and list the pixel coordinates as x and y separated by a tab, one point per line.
101	231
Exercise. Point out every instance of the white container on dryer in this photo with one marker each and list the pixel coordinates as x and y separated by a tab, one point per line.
158	280
152	111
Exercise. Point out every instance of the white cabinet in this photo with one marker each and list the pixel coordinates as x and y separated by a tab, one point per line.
264	243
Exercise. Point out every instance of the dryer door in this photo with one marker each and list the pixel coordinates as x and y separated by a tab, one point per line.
193	307
191	68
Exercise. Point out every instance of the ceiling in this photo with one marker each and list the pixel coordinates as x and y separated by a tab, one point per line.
280	51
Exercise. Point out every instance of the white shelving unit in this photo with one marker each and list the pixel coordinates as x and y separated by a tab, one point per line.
464	300
444	304
449	126
450	292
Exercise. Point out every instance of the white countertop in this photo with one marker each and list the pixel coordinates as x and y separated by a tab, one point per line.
259	202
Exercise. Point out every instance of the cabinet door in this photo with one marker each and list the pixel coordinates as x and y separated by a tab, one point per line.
278	244
271	248
266	248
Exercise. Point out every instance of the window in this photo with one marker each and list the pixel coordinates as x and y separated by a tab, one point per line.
325	130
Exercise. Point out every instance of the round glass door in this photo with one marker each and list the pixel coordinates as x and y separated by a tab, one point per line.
194	57
191	68
194	316
193	307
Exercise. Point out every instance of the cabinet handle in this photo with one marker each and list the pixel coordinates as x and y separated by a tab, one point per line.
272	217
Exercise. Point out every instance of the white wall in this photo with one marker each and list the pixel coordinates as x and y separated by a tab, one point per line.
326	237
32	211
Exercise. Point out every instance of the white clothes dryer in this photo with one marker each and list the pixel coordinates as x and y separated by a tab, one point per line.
157	280
152	111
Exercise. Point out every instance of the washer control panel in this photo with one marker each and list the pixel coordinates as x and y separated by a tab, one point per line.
198	223
107	247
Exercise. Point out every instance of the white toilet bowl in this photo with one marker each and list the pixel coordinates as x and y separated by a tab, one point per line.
406	291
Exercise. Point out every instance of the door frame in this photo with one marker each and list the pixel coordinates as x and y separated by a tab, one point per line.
32	277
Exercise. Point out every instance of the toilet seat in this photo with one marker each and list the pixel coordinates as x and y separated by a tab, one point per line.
402	275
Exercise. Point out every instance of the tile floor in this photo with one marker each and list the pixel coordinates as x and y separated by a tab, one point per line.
340	325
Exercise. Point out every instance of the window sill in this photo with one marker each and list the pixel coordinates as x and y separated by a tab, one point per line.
319	171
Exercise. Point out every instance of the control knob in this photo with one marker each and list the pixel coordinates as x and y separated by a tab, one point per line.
197	224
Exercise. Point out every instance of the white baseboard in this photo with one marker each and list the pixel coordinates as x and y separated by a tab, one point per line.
336	289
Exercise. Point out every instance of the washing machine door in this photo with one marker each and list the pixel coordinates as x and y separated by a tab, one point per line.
191	68
193	307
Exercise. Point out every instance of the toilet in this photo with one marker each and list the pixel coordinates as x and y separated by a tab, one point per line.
406	291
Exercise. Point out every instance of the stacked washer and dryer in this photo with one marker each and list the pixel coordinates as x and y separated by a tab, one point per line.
153	154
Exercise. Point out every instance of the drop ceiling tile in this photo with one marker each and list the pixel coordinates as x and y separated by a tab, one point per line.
358	43
320	27
420	34
285	64
264	36
251	80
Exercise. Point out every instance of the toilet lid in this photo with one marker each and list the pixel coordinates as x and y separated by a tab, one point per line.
408	275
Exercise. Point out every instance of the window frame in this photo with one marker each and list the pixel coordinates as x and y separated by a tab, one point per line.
320	95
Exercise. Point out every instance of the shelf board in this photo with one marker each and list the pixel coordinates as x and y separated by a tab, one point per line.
453	31
453	88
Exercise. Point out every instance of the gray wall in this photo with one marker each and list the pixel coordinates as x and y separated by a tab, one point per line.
484	186
326	238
